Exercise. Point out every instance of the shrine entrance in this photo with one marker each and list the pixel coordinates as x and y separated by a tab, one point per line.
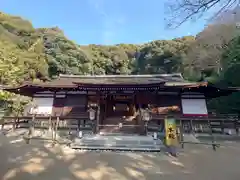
119	114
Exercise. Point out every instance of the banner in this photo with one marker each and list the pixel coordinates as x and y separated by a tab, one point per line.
171	132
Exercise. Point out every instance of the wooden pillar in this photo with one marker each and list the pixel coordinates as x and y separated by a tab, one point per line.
105	106
50	127
132	108
108	105
97	113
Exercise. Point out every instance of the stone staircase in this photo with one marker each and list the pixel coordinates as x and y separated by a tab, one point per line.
118	143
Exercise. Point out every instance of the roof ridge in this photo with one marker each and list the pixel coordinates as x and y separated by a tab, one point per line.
121	76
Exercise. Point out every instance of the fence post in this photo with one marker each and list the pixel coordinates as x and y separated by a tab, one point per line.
14	123
50	123
192	128
18	122
236	127
181	134
52	129
56	128
31	129
55	131
31	125
97	119
2	123
222	126
237	131
78	128
212	136
146	127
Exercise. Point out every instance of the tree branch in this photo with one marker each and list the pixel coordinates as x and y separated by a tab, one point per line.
184	10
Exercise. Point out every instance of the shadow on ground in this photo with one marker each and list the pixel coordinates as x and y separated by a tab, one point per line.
40	161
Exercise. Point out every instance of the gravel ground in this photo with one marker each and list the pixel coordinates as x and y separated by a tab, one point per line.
40	161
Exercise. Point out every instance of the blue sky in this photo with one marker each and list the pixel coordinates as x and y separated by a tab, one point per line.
101	21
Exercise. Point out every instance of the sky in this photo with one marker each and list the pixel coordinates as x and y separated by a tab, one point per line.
102	21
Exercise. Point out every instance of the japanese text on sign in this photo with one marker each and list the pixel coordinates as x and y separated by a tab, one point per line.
170	132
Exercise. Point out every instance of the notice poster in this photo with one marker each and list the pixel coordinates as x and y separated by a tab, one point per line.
171	132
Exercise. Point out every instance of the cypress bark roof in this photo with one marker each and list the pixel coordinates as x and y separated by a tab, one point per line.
163	82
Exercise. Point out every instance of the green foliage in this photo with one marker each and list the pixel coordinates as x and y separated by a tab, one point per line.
229	77
45	52
12	104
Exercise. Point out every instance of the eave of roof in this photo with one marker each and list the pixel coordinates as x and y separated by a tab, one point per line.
178	75
111	82
71	81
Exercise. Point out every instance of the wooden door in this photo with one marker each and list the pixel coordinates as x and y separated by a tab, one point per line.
75	105
58	105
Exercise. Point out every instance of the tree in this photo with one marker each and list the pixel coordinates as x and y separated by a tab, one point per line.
231	68
180	11
205	54
163	56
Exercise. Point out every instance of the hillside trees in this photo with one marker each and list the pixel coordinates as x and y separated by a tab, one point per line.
28	54
229	77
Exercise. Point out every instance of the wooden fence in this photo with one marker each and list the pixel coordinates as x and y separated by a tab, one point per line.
45	122
217	124
213	123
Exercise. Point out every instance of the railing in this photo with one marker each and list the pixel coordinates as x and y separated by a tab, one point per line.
210	125
182	117
44	122
53	123
217	123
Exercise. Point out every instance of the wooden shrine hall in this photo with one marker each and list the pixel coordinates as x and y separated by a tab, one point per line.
119	103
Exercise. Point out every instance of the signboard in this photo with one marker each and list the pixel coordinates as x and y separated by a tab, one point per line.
171	132
194	105
43	106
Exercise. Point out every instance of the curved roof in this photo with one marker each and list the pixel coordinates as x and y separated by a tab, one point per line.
113	82
72	81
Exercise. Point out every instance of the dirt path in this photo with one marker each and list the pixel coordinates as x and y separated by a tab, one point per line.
39	161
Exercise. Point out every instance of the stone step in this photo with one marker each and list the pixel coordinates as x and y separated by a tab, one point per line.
100	148
130	143
122	141
117	145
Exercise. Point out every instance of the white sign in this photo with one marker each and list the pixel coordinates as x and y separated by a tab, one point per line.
194	107
43	106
